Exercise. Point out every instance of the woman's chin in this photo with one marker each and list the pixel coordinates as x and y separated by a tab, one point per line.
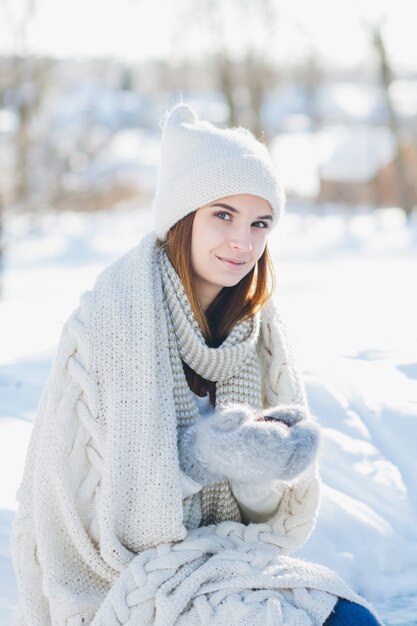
230	282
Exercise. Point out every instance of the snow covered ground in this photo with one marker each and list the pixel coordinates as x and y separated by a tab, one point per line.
346	287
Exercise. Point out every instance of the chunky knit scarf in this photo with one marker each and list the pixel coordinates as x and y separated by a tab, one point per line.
234	366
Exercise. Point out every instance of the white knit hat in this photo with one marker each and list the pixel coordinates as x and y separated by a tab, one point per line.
201	163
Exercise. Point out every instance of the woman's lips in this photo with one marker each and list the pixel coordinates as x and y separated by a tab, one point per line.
238	265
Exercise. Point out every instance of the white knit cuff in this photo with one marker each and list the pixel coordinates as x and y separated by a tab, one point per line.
258	500
189	486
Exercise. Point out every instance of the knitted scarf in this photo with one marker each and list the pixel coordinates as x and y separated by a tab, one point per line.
234	366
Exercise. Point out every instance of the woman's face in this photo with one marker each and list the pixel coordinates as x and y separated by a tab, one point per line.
228	237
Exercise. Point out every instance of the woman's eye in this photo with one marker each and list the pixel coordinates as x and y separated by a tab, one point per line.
261	224
222	213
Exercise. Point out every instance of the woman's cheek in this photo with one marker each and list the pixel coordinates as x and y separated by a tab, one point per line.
261	245
216	234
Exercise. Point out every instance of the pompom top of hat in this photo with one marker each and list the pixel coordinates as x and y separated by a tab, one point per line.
181	113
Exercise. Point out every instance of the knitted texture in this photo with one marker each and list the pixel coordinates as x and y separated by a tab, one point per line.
221	575
101	480
201	163
238	444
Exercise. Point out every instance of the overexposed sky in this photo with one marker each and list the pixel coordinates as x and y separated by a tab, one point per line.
138	29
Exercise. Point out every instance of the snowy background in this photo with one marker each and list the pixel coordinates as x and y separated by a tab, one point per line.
346	287
331	88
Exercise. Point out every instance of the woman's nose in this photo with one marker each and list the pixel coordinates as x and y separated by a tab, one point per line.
241	243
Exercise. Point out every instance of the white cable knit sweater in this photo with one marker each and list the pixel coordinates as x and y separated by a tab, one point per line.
102	487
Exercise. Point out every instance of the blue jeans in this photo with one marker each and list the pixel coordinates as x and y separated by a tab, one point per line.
347	613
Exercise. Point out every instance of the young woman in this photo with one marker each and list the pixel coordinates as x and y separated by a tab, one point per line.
172	466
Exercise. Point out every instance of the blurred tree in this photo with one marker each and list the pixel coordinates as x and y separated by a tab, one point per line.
260	76
244	69
386	75
126	78
20	91
310	75
23	87
1	245
18	29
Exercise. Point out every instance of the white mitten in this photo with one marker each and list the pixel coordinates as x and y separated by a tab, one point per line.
237	443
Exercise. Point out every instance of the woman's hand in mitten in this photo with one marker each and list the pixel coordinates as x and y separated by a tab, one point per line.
236	443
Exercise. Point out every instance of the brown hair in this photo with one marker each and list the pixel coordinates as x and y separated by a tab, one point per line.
232	304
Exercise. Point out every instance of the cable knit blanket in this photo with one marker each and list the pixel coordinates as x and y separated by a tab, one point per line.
99	537
222	575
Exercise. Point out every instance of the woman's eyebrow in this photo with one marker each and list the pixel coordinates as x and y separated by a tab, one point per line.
227	206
